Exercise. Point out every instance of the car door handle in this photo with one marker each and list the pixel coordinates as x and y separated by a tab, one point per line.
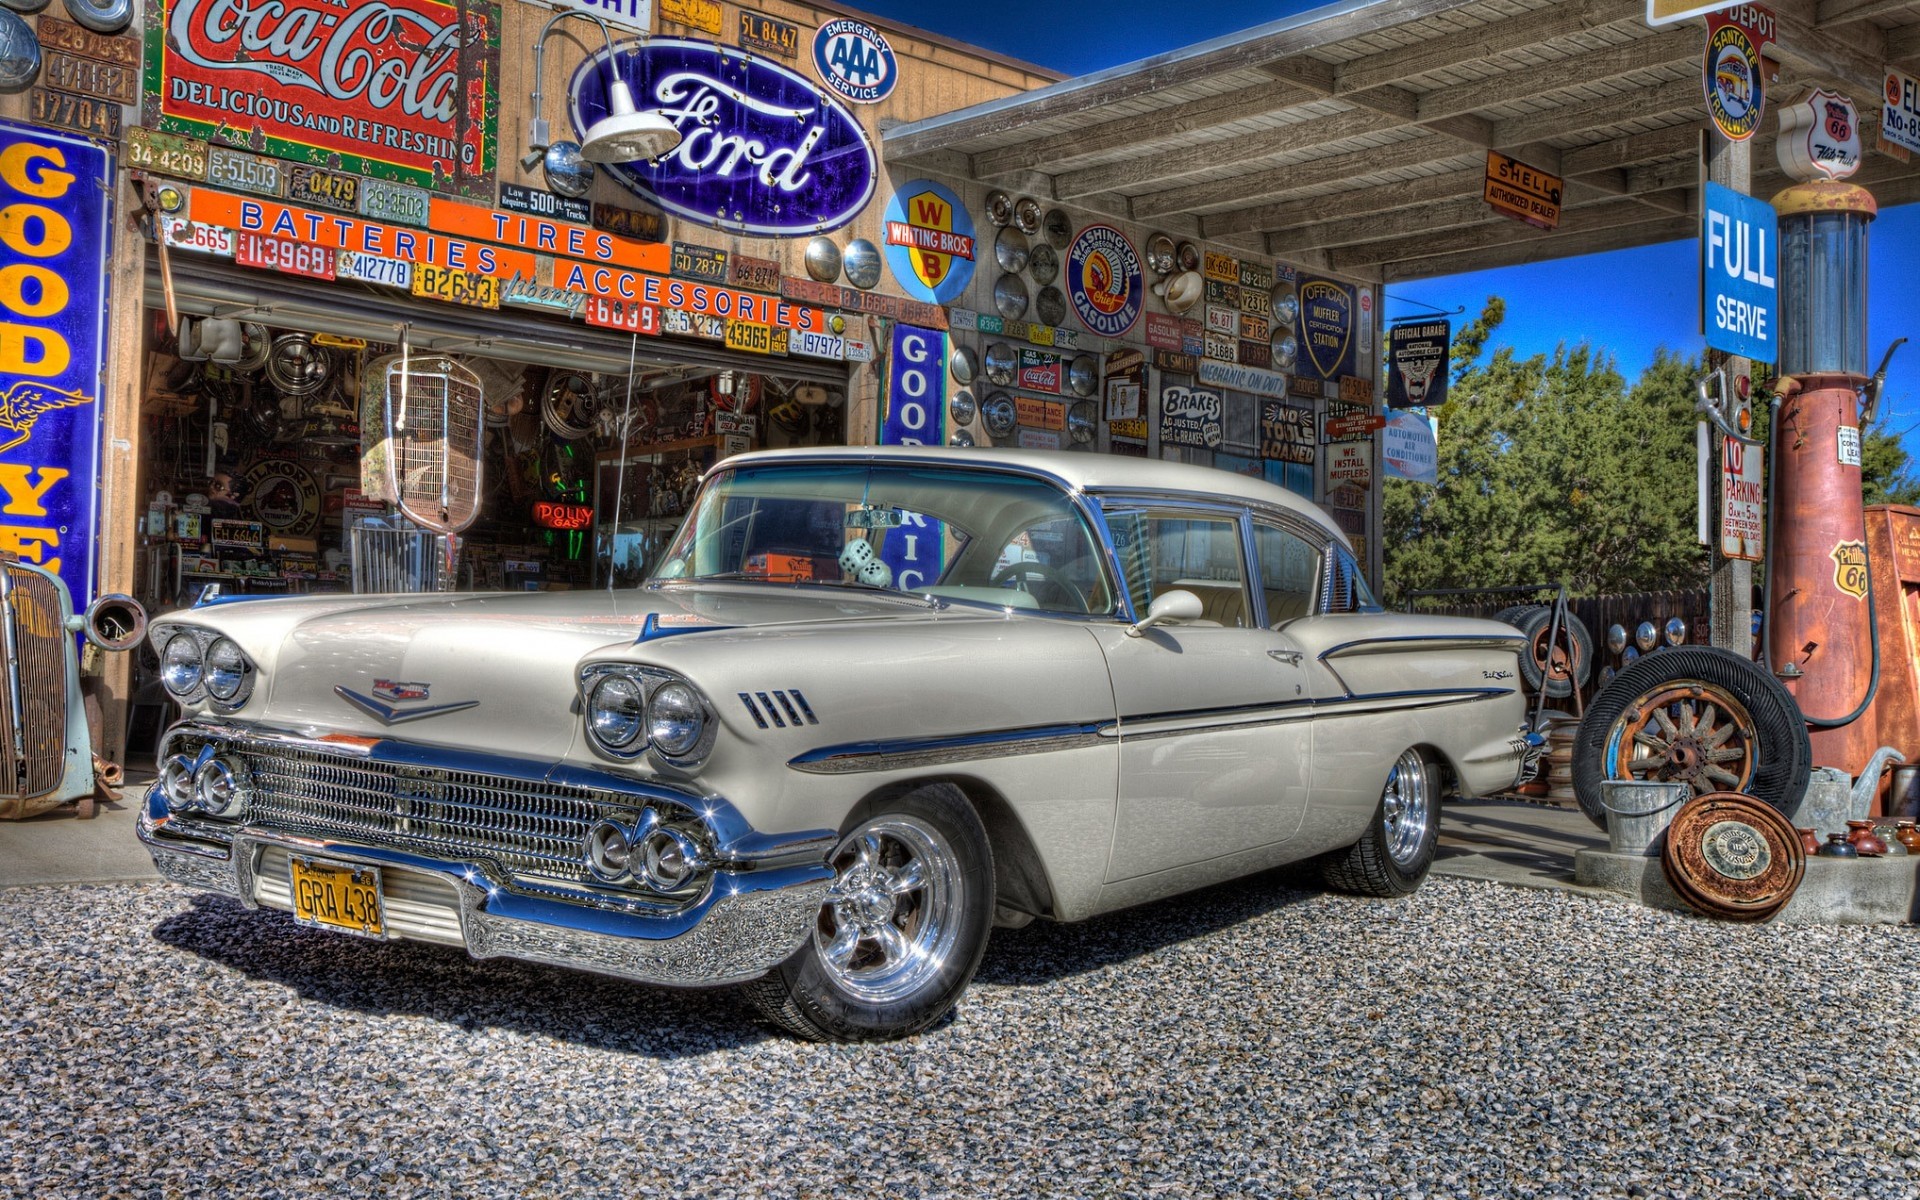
1289	657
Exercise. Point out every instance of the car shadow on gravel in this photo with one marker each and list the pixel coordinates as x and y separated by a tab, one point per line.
442	983
1046	951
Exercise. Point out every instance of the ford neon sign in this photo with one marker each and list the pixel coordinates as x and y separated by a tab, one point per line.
762	150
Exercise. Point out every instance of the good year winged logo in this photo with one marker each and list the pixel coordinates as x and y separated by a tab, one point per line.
22	404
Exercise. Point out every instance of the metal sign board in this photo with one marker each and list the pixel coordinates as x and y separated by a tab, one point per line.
53	356
916	391
1286	433
855	60
1417	355
758	31
1190	417
1739	266
1668	12
1522	192
1731	71
636	15
1819	137
1900	116
405	90
1742	508
537	203
1408	449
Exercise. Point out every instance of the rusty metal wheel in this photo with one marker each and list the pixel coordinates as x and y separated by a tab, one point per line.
1694	715
1564	666
1732	857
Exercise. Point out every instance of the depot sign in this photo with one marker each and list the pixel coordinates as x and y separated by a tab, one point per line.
1739	262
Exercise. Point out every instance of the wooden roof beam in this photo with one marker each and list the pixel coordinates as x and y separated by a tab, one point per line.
1492	233
1486	42
1636	104
1357	229
1632	150
1586	67
1290	139
1853	62
1296	175
1903	45
1377	199
1839	12
1533	250
1172	123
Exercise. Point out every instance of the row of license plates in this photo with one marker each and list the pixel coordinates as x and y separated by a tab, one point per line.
288	257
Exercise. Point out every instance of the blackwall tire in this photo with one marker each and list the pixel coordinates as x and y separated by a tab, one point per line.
1575	661
1511	614
1394	854
1699	715
902	930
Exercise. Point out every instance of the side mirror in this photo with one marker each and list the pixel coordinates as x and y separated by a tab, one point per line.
1169	608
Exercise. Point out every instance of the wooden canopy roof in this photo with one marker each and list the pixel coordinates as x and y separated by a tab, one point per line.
1354	137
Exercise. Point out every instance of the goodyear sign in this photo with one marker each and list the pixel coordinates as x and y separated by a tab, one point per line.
55	235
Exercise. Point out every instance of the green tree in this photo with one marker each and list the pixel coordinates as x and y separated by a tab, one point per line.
1884	464
1550	469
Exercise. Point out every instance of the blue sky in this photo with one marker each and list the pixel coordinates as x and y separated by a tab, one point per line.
1627	303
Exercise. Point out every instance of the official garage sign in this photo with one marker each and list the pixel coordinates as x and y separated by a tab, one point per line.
1104	281
855	60
930	242
405	90
762	151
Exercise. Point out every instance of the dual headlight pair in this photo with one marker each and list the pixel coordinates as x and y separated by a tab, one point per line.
208	783
630	710
200	662
648	852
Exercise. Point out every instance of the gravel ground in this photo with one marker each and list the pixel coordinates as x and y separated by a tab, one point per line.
1255	1039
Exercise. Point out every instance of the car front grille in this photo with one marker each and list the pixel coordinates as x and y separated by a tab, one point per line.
530	829
33	710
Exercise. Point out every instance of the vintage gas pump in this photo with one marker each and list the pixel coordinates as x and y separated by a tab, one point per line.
1820	636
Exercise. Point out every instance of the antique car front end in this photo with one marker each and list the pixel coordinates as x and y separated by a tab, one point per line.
382	835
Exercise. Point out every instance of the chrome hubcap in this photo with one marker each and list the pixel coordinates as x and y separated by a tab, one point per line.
1409	810
889	920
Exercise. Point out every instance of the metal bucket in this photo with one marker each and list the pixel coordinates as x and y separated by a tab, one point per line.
1904	800
1638	812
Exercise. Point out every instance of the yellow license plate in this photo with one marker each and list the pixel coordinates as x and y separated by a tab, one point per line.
456	287
342	896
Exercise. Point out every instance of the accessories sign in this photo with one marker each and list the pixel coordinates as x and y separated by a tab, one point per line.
51	347
762	151
405	90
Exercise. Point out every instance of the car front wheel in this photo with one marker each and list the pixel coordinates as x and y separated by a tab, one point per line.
902	929
1392	857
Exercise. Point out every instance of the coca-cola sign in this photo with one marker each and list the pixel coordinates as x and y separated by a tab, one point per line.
405	90
762	150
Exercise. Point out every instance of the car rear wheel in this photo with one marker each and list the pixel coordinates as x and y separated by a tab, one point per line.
902	929
1393	856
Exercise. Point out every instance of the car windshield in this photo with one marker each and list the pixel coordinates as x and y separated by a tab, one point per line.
963	534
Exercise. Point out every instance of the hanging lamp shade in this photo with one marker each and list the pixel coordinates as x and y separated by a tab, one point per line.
624	135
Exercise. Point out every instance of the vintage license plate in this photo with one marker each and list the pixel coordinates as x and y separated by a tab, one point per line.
630	315
751	337
280	254
183	234
167	153
692	324
536	203
395	202
320	188
82	114
336	895
108	81
244	172
56	34
373	268
456	287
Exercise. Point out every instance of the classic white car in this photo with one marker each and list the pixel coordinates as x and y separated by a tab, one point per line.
872	703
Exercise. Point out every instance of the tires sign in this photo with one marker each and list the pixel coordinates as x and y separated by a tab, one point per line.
855	60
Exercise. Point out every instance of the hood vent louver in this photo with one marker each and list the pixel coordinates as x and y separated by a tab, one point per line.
778	709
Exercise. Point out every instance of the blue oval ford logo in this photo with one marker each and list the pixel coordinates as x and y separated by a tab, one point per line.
855	60
761	151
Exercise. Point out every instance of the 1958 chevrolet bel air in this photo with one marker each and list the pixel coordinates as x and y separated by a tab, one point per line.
872	703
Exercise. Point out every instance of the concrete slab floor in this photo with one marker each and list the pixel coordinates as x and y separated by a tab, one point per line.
58	847
1516	843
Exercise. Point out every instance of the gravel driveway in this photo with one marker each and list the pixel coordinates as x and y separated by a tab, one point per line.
1256	1039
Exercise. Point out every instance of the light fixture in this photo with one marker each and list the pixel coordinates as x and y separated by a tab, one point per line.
623	135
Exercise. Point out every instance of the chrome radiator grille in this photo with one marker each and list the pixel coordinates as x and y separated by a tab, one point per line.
33	710
530	829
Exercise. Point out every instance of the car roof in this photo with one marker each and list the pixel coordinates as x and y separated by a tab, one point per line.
1088	472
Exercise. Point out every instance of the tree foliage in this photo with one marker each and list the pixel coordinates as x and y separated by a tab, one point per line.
1884	476
1551	469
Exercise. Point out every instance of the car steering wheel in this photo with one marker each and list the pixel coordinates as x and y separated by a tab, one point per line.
1016	573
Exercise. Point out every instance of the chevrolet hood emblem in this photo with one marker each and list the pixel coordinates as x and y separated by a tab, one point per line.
393	714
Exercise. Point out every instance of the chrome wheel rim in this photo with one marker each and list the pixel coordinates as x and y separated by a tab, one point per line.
891	917
1408	809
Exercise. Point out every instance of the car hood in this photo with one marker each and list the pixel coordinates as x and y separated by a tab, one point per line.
492	670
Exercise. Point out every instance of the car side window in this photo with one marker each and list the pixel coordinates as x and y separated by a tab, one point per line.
1161	551
1346	590
1289	566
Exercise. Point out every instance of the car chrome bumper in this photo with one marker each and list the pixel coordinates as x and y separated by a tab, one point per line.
753	913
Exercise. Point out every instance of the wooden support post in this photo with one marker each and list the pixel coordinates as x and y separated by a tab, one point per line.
1729	164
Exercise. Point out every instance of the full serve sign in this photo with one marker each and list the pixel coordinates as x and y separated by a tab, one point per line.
1739	243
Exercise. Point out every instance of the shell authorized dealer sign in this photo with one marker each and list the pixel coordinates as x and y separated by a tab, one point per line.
405	90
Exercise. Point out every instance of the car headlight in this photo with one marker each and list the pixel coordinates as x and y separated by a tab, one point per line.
225	669
181	665
616	712
675	719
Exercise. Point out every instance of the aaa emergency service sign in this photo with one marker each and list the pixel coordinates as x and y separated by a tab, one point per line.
55	238
406	90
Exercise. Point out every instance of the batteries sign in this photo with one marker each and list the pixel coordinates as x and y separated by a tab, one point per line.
1739	262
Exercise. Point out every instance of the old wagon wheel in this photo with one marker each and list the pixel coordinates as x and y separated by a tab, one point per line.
1559	668
1695	715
